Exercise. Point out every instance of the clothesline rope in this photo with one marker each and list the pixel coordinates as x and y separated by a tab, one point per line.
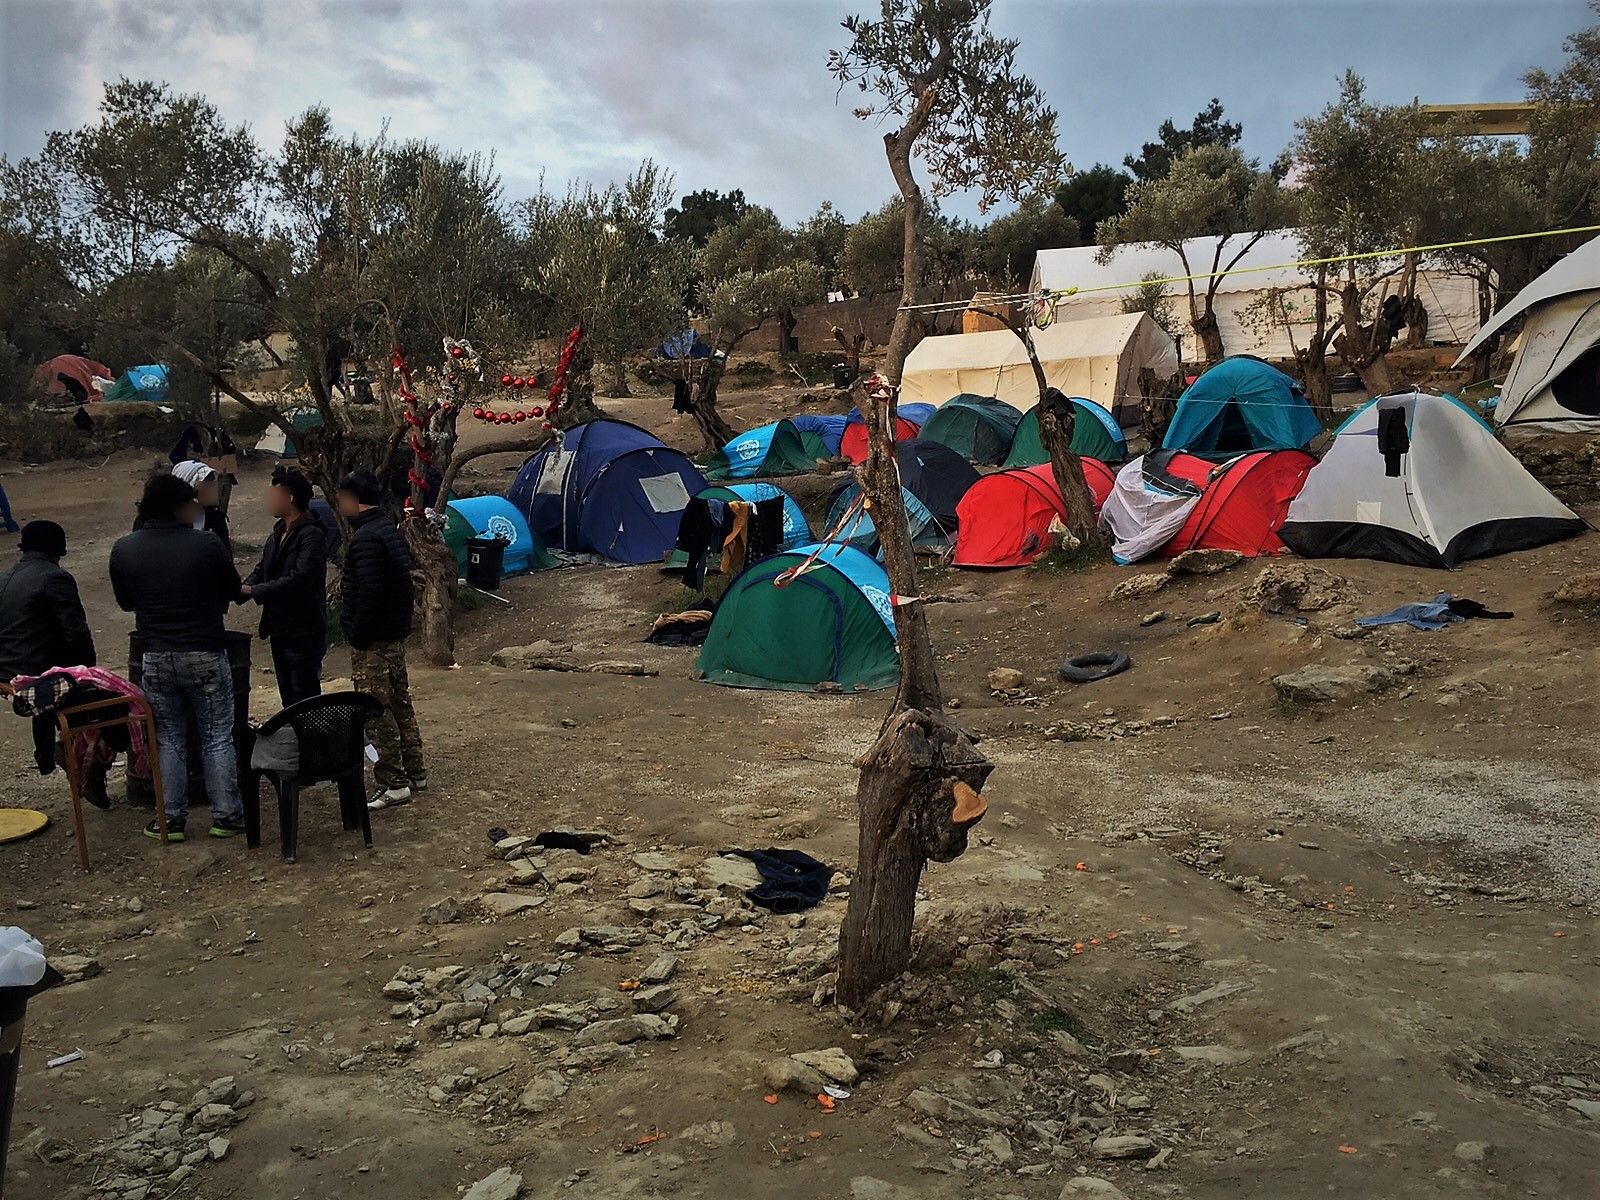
1199	276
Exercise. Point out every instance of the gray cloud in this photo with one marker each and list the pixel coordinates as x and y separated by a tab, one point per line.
735	93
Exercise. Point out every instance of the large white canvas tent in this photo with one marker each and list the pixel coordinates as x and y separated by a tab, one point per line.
1247	309
1445	491
1098	358
1554	382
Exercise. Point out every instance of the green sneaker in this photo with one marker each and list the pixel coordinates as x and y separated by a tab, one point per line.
225	827
174	830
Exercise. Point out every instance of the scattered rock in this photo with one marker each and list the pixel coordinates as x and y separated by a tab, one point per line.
1582	591
1153	618
1126	1145
1473	1152
1331	685
1295	587
1093	1188
1222	1056
945	1108
660	969
865	1187
1204	562
833	1063
722	870
214	1116
997	1148
506	904
1217	991
654	860
75	968
217	1148
543	1091
640	1027
1210	618
1003	679
790	1074
654	999
713	1135
502	1185
1588	1108
1136	587
443	912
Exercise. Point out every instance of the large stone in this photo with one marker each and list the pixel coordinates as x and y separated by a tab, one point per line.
458	1011
1295	587
1003	679
661	969
1221	1056
1125	1145
502	1185
507	904
654	860
792	1075
1093	1188
1336	685
543	1091
521	658
641	1027
215	1116
713	1135
946	1108
75	968
833	1062
1587	1108
1217	991
867	1187
654	999
722	870
1582	590
1136	587
1204	562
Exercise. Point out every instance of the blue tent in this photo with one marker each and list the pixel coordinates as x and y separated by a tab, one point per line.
497	517
861	533
916	412
609	488
684	344
829	428
775	449
148	383
796	529
1240	405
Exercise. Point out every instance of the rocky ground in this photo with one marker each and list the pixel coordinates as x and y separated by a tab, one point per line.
1287	909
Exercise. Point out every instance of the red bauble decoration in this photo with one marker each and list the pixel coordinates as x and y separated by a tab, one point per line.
518	381
536	411
478	412
504	418
505	381
457	352
520	415
451	377
546	426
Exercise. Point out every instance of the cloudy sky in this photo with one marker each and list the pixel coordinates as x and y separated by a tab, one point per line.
735	93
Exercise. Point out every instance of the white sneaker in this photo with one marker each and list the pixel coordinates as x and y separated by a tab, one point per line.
389	798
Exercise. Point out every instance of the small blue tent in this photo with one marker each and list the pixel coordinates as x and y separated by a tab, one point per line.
775	449
609	488
497	517
1241	405
148	383
827	427
684	344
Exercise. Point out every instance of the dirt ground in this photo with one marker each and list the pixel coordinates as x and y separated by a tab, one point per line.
1346	949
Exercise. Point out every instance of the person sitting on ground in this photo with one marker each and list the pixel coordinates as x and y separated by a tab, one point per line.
291	586
376	595
42	626
178	582
207	512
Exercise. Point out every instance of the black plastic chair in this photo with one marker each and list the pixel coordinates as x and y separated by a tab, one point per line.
331	735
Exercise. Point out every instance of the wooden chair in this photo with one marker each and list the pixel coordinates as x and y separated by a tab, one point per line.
135	709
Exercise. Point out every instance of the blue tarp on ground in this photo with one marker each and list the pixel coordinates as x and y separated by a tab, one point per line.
827	427
1240	405
609	488
497	517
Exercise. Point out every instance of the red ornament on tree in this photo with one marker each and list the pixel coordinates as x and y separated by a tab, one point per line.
546	426
536	411
478	412
457	352
520	415
519	381
505	381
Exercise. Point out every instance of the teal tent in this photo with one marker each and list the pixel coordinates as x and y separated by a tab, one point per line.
979	428
1095	434
776	449
832	624
1240	405
861	533
494	517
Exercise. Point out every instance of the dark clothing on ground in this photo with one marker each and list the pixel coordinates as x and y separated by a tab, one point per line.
290	583
791	880
178	583
42	624
297	662
375	591
380	670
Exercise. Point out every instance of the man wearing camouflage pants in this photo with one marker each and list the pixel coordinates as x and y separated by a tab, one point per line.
376	596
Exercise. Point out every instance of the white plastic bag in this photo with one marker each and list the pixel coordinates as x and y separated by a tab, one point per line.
21	958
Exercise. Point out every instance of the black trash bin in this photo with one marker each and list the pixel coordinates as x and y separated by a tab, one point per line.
841	376
238	647
486	560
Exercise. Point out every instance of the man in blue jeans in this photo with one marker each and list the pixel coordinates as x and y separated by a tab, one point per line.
178	581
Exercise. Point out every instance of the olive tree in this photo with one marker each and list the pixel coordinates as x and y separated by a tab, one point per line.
950	94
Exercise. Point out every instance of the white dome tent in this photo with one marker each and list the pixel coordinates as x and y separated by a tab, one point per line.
1445	492
1554	382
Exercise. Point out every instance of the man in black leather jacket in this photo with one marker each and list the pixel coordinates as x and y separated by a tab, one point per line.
376	597
291	586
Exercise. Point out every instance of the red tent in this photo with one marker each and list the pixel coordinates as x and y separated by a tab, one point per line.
853	442
73	366
1244	501
1004	519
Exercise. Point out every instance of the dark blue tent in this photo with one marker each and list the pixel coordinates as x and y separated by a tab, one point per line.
829	428
608	488
1240	405
684	344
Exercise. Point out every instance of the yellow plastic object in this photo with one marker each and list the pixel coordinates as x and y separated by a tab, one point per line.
19	823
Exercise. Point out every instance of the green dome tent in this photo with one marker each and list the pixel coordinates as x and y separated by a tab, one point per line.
833	624
777	449
979	428
1094	435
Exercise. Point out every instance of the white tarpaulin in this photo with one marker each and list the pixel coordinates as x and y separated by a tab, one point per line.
1097	357
1143	513
1251	308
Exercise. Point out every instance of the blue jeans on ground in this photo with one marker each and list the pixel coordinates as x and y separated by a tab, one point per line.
179	682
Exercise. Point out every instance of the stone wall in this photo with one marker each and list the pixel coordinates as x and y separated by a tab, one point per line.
1566	463
872	315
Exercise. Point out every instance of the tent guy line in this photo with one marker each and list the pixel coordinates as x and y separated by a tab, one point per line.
1365	255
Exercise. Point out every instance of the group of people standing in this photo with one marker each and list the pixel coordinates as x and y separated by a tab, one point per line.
175	573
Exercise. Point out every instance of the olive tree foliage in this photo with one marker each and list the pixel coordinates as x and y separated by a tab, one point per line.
1011	242
1210	191
598	258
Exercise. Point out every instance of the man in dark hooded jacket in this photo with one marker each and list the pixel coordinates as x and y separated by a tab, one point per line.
291	586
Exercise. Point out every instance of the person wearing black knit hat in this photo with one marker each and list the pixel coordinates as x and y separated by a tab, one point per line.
42	625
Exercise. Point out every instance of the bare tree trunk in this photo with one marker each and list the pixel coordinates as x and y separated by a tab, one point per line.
715	432
898	147
434	570
1055	432
1362	346
618	385
1205	328
577	405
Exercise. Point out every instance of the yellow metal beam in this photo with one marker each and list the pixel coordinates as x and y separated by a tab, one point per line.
1489	120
